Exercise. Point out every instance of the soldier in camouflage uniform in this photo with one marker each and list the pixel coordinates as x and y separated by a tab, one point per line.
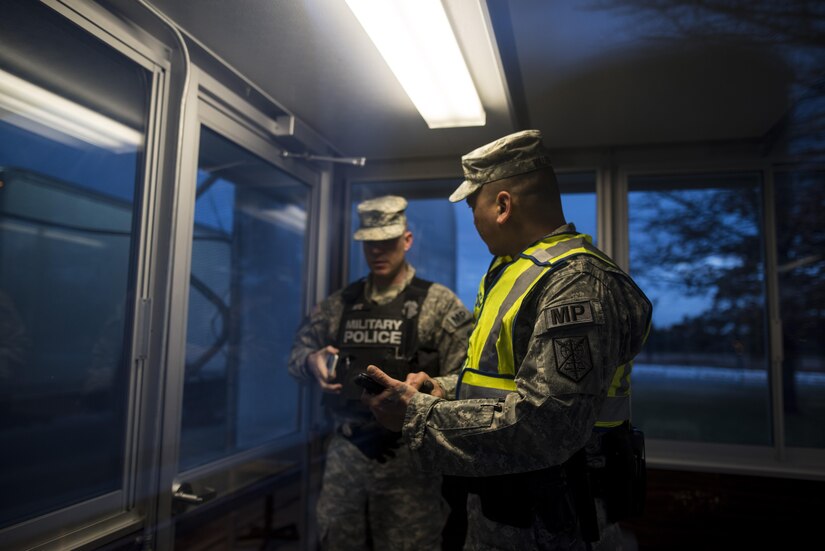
546	380
372	495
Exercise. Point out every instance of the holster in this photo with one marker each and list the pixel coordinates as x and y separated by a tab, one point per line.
373	440
560	496
623	481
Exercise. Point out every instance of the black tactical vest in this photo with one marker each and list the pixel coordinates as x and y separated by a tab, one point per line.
385	335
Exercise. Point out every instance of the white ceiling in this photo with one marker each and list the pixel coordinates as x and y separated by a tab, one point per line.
587	76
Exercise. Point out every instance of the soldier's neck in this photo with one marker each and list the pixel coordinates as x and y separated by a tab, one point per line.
382	283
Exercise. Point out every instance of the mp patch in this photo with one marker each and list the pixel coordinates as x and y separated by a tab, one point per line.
569	314
456	319
573	357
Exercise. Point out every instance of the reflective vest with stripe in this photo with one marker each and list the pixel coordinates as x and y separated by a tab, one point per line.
490	370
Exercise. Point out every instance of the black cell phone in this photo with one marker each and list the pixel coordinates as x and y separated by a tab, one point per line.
369	384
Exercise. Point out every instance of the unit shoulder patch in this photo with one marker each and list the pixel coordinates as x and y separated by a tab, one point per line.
573	357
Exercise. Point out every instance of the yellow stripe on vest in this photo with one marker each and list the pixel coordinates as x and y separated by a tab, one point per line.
474	378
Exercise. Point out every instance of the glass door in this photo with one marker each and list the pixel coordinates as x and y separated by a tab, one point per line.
239	433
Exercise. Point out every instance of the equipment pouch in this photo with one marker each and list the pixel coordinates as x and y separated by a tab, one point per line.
375	442
517	499
637	505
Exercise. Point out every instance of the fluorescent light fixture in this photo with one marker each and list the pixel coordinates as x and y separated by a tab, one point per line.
30	107
417	42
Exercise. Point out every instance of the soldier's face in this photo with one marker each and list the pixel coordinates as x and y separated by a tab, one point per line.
484	209
385	258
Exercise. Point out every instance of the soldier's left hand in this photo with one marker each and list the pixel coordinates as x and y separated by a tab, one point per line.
424	383
390	406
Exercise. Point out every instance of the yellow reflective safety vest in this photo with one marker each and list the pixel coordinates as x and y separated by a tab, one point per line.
490	370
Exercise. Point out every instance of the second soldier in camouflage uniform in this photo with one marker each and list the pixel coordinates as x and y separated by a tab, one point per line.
557	324
372	495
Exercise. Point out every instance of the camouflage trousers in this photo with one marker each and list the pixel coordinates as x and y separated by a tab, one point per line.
484	534
365	504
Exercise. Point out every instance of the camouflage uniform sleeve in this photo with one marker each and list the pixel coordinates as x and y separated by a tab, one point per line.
446	324
318	330
561	384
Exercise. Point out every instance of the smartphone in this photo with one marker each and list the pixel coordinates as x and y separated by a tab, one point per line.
332	363
369	384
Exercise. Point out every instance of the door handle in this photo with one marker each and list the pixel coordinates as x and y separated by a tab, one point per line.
184	495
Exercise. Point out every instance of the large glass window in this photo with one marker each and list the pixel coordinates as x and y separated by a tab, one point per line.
800	232
446	247
245	303
696	251
72	115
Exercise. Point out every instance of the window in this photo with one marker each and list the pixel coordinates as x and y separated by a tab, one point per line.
245	303
800	203
72	115
696	251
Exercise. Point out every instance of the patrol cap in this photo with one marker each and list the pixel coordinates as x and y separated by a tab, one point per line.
509	156
381	218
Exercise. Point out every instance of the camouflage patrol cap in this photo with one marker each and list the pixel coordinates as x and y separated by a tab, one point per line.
381	218
509	156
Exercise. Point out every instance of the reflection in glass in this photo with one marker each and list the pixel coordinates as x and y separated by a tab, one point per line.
67	235
696	250
800	232
245	303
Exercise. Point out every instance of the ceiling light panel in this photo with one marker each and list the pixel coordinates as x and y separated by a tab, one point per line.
418	44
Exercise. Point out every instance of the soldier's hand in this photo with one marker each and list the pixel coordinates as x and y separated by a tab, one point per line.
424	383
390	406
316	364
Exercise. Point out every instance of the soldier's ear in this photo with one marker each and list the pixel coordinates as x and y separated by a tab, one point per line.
408	240
504	206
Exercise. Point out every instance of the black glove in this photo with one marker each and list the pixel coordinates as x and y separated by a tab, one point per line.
376	442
